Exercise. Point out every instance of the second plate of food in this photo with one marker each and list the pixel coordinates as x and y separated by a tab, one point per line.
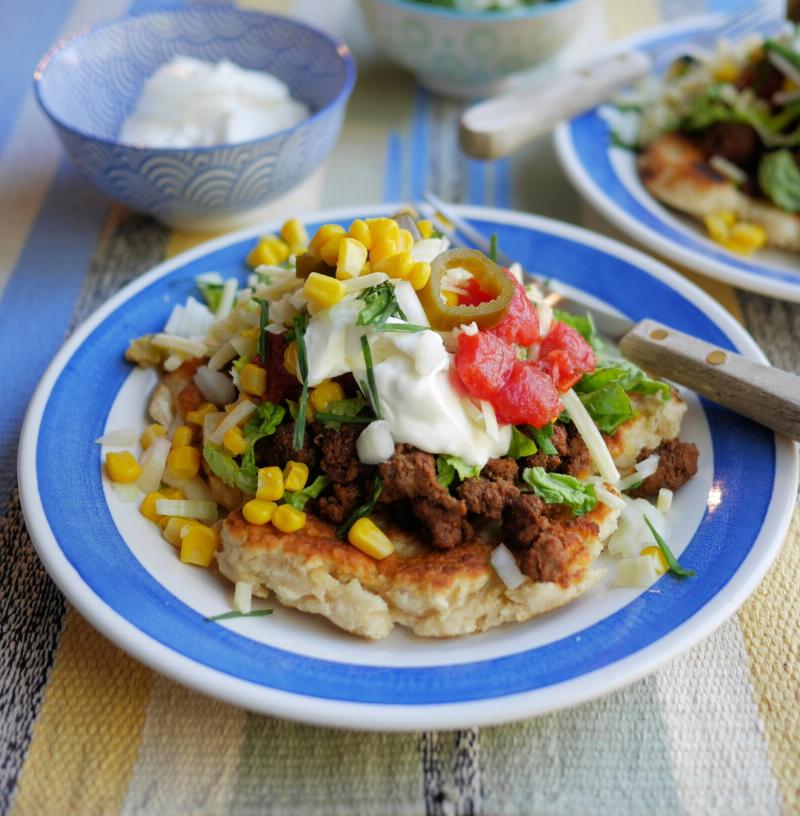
607	175
114	564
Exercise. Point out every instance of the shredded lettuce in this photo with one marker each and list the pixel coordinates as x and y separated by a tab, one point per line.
558	488
265	421
520	445
343	411
298	498
542	437
448	467
233	475
779	177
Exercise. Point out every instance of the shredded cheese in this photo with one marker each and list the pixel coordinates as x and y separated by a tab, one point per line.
598	450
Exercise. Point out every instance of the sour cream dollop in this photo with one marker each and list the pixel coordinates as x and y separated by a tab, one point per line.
191	103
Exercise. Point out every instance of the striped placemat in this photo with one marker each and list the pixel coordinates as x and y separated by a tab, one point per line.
86	729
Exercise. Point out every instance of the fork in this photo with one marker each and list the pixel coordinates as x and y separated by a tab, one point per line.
499	126
765	394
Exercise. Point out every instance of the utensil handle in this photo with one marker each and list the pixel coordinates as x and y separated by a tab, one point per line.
763	393
497	127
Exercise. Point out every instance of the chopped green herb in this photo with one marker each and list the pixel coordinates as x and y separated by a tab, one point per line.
298	498
256	613
293	408
302	365
364	510
542	437
372	387
558	488
212	294
448	467
380	304
343	411
520	445
262	334
493	248
399	327
672	562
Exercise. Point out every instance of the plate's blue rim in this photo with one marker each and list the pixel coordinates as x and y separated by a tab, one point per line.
591	149
70	489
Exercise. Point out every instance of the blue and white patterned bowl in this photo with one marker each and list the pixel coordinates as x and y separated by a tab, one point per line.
89	84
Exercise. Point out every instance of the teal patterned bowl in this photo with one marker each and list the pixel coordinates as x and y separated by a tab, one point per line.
470	54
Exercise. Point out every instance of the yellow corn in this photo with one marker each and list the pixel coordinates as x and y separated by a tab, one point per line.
382	248
322	235
329	251
234	441
719	225
250	334
122	467
323	290
184	462
383	228
746	238
326	393
198	544
351	258
295	235
290	358
258	511
288	519
270	484
174	528
182	436
148	506
151	433
405	240
370	539
425	228
295	475
450	298
172	493
420	273
726	71
269	250
253	379
395	266
656	554
196	417
359	230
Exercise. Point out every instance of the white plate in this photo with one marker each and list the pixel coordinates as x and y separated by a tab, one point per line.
727	524
606	176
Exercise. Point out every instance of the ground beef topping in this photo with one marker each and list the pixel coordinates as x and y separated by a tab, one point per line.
676	465
277	450
572	457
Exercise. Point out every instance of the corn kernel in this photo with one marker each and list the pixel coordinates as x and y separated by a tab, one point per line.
425	228
148	506
405	240
295	235
351	259
151	433
295	475
251	333
288	519
370	539
197	416
172	493
658	556
382	248
184	462
174	529
323	234
383	228
326	393
270	484
258	511
269	250
182	436
420	274
253	379
396	266
234	441
329	251
726	71
359	230
719	225
198	544
122	467
450	298
290	358
323	290
746	238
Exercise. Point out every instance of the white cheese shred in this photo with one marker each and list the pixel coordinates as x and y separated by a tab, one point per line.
505	566
598	450
243	597
664	500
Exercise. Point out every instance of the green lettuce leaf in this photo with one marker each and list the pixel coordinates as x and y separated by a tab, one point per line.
520	445
345	408
448	467
558	488
542	437
584	325
244	477
779	177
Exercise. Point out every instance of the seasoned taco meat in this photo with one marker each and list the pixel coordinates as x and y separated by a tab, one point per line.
676	465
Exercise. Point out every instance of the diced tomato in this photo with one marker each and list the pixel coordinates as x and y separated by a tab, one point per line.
281	385
521	323
483	363
475	295
565	355
528	397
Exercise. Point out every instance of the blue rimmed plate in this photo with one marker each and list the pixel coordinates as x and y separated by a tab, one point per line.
606	177
727	523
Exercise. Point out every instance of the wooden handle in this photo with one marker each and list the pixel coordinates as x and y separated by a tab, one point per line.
767	395
500	126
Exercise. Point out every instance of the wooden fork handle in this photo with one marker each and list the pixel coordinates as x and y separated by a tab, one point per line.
765	394
492	129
